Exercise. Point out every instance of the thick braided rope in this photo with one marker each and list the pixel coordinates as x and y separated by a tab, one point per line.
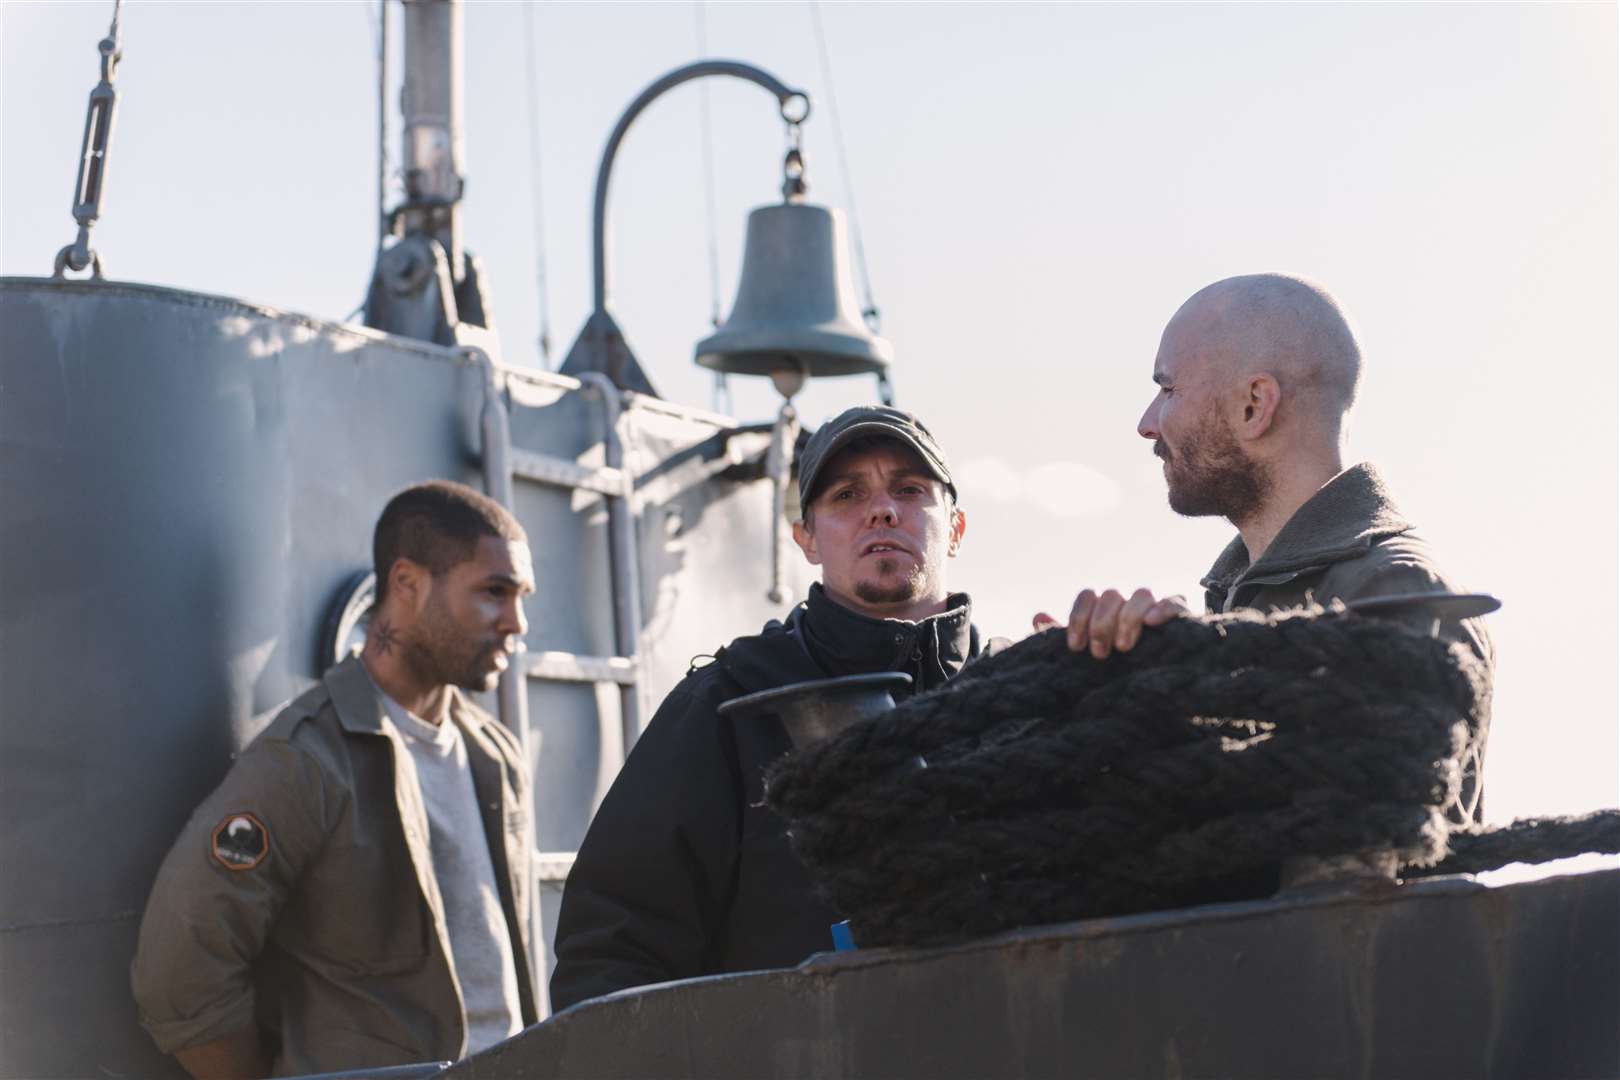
1043	786
1472	851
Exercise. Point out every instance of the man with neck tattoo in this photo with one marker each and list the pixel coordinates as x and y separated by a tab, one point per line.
684	871
355	893
1255	379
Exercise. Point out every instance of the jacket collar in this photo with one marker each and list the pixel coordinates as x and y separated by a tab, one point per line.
846	642
1343	519
822	639
359	702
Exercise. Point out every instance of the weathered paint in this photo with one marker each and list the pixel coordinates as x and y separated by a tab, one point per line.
1440	978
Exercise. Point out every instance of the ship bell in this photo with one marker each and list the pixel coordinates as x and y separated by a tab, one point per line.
796	308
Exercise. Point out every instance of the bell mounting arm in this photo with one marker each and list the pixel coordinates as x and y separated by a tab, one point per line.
795	109
600	345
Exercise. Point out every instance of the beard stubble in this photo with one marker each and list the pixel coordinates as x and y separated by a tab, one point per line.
1211	476
882	591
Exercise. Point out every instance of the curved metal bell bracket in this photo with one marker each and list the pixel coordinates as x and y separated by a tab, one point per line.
600	346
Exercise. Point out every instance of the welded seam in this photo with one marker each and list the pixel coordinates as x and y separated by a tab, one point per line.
54	924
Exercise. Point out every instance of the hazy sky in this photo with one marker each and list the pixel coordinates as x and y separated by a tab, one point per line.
1039	188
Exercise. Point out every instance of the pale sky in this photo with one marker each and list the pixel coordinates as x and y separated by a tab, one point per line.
1039	187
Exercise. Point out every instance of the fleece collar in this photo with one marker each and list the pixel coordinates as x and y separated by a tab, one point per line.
821	639
846	642
1342	520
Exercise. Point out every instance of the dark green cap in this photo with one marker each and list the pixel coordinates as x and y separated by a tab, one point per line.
868	421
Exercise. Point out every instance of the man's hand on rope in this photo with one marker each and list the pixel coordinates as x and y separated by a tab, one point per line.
1103	623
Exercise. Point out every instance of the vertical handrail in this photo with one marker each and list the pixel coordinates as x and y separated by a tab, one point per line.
624	557
513	691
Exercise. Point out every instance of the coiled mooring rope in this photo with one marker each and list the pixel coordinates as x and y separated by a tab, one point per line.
1043	786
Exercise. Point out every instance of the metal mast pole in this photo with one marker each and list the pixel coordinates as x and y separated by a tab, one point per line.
427	284
435	150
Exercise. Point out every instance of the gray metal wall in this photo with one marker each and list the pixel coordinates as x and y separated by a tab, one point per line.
186	482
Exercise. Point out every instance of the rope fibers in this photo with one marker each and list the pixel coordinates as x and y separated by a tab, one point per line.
1043	786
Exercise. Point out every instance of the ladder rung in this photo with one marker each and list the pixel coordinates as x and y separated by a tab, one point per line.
570	667
551	867
560	472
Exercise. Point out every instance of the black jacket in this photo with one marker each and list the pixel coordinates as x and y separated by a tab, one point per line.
684	872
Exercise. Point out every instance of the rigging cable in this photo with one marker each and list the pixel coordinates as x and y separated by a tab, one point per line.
536	200
722	389
870	311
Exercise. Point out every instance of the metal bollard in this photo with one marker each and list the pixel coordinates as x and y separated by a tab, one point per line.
812	711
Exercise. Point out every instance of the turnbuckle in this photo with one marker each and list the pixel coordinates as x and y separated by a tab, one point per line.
90	183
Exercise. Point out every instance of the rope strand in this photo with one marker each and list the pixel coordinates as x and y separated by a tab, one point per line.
1043	786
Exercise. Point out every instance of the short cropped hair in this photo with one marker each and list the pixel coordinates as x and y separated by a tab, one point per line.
437	524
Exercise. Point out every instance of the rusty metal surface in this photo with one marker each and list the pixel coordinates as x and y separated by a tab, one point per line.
1441	978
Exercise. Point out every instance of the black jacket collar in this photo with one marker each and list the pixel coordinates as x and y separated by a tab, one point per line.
822	639
845	642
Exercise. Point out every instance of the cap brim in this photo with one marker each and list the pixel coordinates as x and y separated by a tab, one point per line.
876	429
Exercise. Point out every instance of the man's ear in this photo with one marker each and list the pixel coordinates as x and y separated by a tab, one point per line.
410	581
958	530
1261	397
805	537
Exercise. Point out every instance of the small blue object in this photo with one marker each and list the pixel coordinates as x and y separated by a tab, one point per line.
843	940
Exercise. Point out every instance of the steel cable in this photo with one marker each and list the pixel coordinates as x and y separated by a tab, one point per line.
870	311
537	190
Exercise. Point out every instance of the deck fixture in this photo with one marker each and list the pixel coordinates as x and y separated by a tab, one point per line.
796	310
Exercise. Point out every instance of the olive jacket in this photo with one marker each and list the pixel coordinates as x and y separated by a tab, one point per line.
1350	542
301	893
684	871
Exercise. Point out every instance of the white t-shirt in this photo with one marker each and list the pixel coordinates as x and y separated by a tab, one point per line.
481	950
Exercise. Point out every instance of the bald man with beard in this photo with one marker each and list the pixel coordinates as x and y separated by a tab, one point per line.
1256	377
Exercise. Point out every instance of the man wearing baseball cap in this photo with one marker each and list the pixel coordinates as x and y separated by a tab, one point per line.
684	871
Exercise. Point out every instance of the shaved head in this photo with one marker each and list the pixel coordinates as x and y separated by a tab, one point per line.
1255	376
1287	327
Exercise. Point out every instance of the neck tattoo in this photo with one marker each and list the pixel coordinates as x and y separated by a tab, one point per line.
382	638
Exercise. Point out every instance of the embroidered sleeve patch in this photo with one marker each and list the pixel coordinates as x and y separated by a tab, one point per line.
240	842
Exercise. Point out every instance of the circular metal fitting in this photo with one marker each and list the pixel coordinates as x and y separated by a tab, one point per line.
796	107
347	621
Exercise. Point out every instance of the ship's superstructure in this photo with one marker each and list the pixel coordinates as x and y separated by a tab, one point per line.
191	482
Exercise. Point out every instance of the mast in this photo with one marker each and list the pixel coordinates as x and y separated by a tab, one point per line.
435	145
426	282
